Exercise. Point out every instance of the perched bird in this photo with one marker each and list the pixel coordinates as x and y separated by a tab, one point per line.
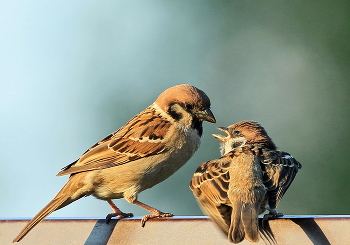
145	151
250	177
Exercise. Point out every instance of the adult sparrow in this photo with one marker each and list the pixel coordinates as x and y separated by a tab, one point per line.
145	151
250	177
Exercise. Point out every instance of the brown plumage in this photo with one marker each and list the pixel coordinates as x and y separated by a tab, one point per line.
250	177
145	151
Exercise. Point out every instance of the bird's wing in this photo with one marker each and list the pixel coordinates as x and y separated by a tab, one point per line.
210	184
140	137
279	169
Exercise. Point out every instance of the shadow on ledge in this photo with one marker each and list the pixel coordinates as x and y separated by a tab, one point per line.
312	230
101	232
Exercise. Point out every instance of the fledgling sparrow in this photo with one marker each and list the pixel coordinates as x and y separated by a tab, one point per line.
250	178
145	151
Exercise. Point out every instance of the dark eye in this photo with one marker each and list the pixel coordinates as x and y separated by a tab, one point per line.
236	132
189	106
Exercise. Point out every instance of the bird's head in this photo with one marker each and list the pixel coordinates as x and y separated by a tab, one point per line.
242	133
187	105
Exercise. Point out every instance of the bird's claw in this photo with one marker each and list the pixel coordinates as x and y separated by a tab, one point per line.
152	216
272	216
119	215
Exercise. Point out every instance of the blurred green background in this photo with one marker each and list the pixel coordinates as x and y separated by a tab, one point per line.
74	71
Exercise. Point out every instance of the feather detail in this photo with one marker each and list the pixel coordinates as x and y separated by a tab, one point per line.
279	170
144	135
210	184
69	193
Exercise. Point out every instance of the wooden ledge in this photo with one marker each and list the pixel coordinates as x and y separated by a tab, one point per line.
322	229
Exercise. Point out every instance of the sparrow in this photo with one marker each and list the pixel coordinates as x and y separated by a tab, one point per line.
251	177
145	151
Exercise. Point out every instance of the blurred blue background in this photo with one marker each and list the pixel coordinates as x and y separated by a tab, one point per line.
74	71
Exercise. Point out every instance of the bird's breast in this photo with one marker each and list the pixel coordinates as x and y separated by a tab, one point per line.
164	165
246	178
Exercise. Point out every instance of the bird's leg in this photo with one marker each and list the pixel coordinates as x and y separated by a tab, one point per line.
155	212
117	212
272	213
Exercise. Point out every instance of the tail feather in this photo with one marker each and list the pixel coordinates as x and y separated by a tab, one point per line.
250	221
244	223
47	210
236	231
69	193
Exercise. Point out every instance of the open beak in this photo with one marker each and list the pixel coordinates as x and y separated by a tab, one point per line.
206	115
220	137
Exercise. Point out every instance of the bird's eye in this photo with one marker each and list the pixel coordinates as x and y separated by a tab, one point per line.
189	106
236	132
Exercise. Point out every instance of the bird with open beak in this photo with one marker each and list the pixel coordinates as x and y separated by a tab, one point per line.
251	177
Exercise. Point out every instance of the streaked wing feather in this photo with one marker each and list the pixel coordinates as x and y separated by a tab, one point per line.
210	184
140	137
279	170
